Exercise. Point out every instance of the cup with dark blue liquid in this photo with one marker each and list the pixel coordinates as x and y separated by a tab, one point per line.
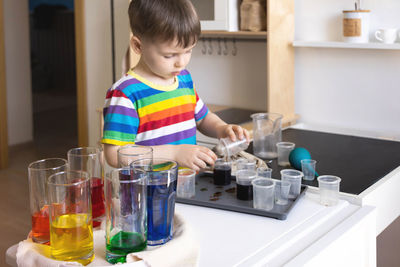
161	193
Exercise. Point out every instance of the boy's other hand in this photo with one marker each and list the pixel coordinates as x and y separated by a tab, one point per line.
233	131
194	157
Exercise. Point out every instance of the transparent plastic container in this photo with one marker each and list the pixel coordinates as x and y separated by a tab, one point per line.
227	148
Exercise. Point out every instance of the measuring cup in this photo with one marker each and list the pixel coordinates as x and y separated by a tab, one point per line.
267	132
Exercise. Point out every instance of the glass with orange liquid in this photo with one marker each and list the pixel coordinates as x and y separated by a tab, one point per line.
89	159
71	228
38	172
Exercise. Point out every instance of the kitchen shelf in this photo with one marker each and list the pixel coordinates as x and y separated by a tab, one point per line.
395	46
237	35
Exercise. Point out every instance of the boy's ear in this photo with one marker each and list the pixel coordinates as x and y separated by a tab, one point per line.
136	45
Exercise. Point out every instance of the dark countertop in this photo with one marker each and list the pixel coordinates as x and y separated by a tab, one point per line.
359	161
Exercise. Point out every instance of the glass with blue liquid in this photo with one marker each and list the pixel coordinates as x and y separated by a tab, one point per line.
161	194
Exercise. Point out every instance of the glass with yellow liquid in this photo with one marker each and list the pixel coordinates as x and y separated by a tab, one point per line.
71	227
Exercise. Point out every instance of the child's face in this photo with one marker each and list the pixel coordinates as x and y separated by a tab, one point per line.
166	60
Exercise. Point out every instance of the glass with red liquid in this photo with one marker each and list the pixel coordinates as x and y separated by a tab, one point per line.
38	172
89	159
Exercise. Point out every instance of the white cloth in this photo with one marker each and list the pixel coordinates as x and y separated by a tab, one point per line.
182	250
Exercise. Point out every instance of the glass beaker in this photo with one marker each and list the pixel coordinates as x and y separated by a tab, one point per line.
267	132
126	213
129	153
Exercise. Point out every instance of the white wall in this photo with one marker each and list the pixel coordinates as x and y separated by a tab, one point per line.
18	72
238	81
354	89
98	54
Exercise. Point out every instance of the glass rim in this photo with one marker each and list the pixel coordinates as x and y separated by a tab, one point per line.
121	148
284	171
262	115
73	150
186	170
109	176
248	171
31	165
285	144
83	179
335	179
175	167
308	160
254	181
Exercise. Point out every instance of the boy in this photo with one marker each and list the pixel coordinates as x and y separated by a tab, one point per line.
156	104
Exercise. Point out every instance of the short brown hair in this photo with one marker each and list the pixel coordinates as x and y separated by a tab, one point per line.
165	20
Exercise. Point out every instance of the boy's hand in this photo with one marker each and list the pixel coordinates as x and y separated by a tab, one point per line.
193	156
233	131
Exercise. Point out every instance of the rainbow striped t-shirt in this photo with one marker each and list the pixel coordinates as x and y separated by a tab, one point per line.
137	111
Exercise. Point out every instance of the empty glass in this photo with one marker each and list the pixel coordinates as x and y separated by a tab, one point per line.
267	132
71	229
126	213
284	149
227	148
282	189
263	193
129	153
38	172
308	168
90	159
186	183
294	178
264	172
329	189
161	194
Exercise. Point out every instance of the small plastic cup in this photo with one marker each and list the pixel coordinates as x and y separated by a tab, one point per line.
227	148
329	189
282	189
264	172
246	165
294	178
244	188
284	149
263	193
186	183
222	172
308	168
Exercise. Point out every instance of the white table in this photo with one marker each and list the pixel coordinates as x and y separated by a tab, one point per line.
312	234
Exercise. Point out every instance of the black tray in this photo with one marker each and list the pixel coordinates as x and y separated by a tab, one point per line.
224	197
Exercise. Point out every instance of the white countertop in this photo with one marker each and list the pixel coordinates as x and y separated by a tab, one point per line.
231	238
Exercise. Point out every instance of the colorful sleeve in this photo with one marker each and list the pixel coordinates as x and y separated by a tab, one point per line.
120	119
201	109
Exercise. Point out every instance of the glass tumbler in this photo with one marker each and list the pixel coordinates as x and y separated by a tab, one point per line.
89	159
38	172
71	229
129	153
126	213
161	195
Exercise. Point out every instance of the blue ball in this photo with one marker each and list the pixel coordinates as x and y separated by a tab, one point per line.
296	155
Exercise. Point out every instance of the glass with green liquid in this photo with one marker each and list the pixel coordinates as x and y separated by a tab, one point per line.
126	213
